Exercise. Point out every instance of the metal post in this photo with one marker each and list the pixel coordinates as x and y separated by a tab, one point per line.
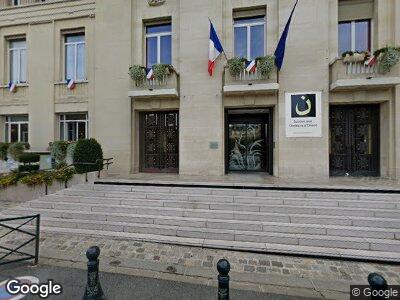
377	283
223	267
37	239
86	179
93	288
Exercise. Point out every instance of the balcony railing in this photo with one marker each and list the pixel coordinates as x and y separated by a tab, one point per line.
63	94
17	97
165	87
10	3
356	75
250	82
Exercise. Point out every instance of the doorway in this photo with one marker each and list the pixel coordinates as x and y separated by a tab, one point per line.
249	141
354	140
159	140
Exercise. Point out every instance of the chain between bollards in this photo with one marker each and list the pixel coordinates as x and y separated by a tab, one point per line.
378	286
223	267
93	288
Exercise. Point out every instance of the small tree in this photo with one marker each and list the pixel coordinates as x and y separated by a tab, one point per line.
88	156
16	149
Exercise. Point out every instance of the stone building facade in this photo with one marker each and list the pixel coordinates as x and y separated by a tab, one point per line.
187	121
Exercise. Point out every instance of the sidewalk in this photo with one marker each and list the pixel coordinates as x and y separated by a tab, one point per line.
287	275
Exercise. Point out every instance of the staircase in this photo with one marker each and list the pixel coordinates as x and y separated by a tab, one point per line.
328	224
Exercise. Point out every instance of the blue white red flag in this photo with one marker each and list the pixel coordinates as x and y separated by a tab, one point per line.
371	61
215	49
280	49
251	66
70	84
149	73
12	87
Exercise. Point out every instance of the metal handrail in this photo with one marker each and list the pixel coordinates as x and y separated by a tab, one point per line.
34	237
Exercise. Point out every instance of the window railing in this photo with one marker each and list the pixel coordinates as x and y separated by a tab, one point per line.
355	68
166	81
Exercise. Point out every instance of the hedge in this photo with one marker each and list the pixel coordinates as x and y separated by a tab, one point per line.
28	158
4	150
88	156
28	168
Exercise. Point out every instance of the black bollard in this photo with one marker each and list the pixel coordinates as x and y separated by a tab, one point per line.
223	267
377	283
93	288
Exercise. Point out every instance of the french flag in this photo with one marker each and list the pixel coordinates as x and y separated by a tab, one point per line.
215	49
12	87
371	61
70	84
251	66
149	73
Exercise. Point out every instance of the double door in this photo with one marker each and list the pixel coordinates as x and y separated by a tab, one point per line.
159	139
354	140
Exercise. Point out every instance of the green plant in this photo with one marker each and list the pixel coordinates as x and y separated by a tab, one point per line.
64	174
236	66
58	151
388	57
88	156
16	149
265	65
9	180
28	168
3	150
161	70
137	73
38	179
28	157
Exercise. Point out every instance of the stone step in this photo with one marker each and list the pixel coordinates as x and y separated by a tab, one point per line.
53	201
381	204
243	192
369	230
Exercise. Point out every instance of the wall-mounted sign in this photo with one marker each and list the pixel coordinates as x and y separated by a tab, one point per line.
155	2
303	114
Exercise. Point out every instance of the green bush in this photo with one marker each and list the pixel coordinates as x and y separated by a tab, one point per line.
58	150
137	73
9	180
38	179
28	168
16	149
161	70
88	156
236	66
28	158
265	65
64	174
3	150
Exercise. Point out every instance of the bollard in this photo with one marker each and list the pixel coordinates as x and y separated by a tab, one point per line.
223	267
93	288
377	283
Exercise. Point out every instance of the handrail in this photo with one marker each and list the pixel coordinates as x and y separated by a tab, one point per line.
34	237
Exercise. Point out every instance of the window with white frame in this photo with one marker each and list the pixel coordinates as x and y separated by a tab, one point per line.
249	37
16	128
16	2
75	56
17	60
73	127
158	44
354	36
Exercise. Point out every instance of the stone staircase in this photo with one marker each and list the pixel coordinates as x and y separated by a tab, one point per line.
329	224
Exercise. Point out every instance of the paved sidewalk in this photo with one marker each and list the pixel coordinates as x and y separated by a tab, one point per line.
306	277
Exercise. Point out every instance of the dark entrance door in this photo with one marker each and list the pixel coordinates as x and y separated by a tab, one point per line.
159	137
354	140
249	141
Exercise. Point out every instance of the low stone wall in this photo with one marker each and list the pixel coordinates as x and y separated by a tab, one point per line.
22	192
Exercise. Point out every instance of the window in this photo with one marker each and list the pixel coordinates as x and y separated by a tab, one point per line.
158	44
17	60
16	2
354	36
16	129
73	127
249	36
75	66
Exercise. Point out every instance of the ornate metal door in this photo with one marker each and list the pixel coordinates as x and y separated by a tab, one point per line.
354	140
159	141
247	139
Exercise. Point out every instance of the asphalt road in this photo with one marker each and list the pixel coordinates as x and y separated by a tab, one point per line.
121	287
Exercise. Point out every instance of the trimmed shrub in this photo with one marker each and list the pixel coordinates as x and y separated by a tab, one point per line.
28	158
88	156
28	168
3	150
16	149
